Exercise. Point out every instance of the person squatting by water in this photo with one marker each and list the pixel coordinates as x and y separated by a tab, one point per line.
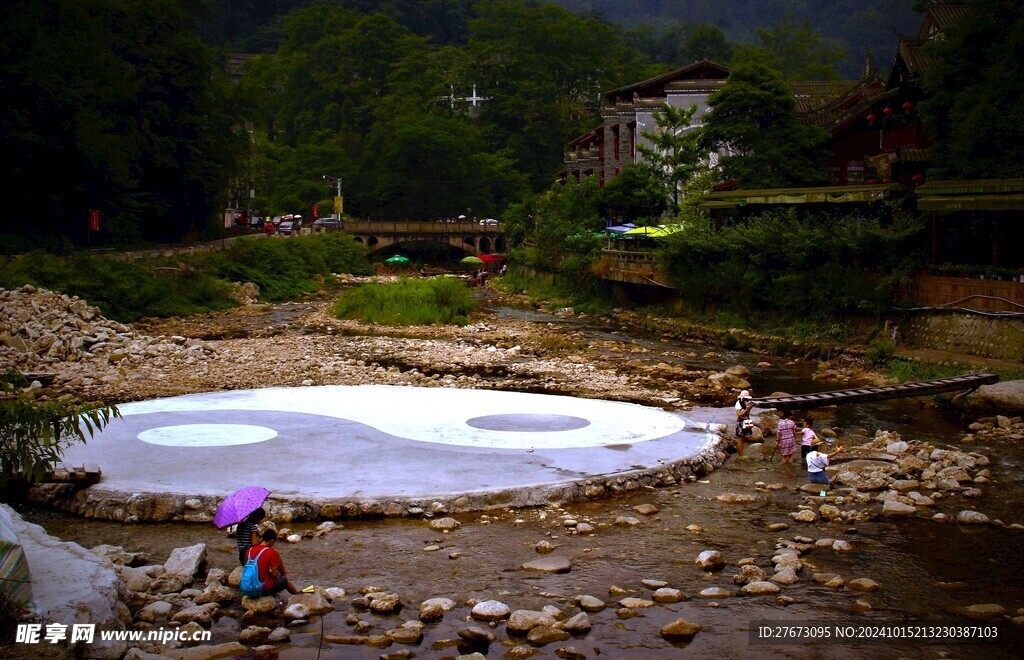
786	434
817	461
246	534
744	425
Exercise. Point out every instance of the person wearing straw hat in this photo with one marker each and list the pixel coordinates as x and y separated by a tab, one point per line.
817	461
744	425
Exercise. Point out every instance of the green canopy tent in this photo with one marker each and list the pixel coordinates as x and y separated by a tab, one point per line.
397	260
472	260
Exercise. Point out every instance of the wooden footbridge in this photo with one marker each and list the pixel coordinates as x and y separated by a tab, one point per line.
864	394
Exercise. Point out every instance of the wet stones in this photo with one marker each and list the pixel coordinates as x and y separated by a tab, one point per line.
444	524
863	584
710	560
983	612
590	603
490	610
549	564
896	508
520	622
748	574
968	517
761	588
667	595
680	630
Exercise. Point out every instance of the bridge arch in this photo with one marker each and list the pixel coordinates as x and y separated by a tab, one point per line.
471	238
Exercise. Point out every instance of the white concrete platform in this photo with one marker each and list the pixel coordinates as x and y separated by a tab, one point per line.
379	442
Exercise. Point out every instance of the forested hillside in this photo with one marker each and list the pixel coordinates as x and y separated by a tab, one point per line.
852	26
659	28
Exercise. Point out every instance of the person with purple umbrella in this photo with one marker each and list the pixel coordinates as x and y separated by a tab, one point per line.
247	534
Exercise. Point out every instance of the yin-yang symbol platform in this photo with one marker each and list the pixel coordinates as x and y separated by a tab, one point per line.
376	442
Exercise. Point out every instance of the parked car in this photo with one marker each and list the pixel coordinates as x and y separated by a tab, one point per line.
286	228
326	223
489	221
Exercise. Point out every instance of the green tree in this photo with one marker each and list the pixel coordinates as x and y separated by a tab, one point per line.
705	42
543	68
35	433
974	94
637	194
674	151
752	122
795	50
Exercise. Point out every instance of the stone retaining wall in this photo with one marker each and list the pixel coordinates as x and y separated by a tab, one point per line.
973	334
98	502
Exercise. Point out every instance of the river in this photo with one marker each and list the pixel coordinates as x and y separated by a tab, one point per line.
927	570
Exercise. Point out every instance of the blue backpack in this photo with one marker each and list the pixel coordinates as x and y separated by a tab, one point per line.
251	584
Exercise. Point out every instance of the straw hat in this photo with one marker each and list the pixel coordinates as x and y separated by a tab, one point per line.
817	442
745	394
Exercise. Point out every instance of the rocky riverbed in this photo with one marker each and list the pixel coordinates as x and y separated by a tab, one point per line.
917	531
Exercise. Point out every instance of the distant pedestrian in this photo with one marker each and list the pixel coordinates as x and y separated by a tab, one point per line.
808	436
817	461
786	436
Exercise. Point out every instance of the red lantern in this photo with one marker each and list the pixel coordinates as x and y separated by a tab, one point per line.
887	111
908	106
918	178
887	180
872	119
872	181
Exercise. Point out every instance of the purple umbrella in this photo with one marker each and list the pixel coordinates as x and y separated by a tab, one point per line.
239	505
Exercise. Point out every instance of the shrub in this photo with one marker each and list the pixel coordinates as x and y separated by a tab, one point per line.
408	302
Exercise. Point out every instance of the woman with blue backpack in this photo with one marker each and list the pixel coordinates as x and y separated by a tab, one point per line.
264	573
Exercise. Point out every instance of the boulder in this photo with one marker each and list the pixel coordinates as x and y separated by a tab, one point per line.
895	508
154	611
748	574
667	595
862	584
1006	398
201	614
984	612
715	592
259	605
186	561
314	602
636	603
445	524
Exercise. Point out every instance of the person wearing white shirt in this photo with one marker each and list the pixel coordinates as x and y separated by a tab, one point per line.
817	461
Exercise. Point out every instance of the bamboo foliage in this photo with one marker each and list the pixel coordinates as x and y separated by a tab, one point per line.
34	434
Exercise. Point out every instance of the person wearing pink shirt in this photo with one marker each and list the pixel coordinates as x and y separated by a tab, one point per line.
808	438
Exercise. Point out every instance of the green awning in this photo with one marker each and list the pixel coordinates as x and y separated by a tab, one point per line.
971	203
972	187
820	195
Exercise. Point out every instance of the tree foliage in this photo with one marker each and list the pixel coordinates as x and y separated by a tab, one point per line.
109	105
793	49
752	120
974	94
34	434
794	264
674	152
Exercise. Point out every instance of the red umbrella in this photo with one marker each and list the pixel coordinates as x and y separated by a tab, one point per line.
239	505
489	258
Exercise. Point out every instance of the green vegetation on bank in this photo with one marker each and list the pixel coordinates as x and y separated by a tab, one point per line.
408	302
193	283
34	434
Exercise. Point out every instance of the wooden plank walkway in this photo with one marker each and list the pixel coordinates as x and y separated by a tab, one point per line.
860	395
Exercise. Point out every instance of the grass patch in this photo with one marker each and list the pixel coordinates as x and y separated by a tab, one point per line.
583	294
905	370
408	302
188	284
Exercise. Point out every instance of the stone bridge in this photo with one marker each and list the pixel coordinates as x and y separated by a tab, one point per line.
470	237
